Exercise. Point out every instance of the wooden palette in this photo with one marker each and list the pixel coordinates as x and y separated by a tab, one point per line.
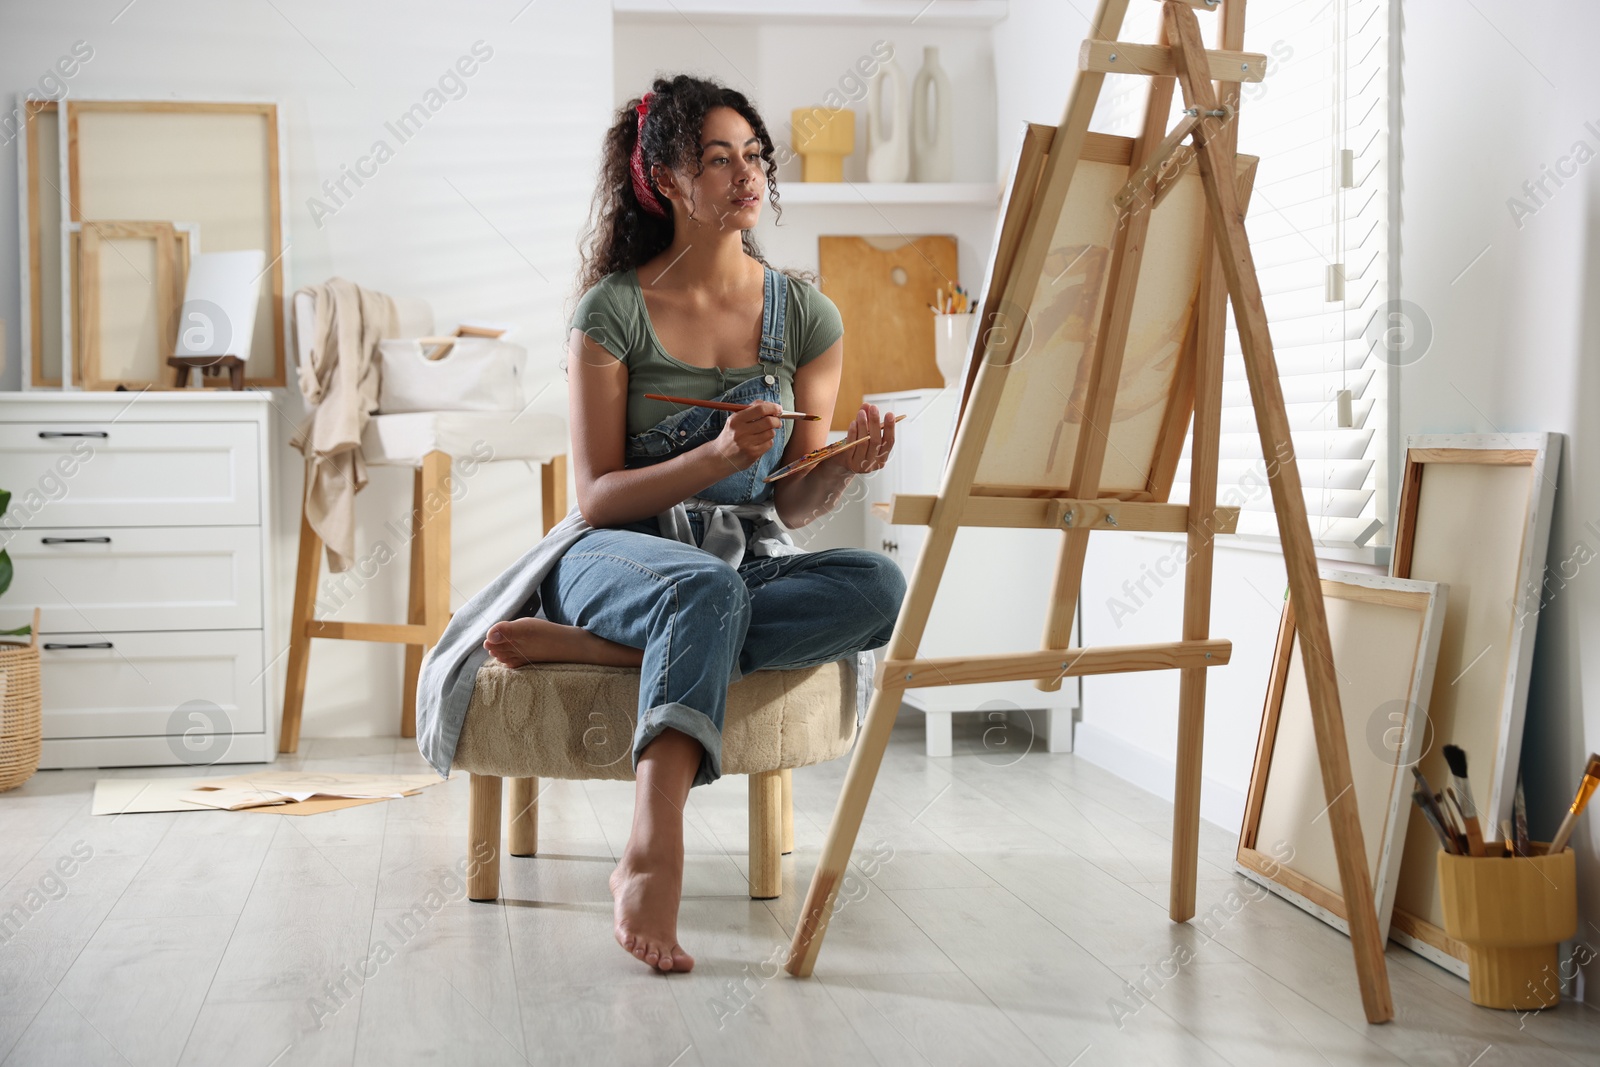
883	286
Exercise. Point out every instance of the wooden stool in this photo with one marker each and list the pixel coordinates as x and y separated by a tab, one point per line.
428	599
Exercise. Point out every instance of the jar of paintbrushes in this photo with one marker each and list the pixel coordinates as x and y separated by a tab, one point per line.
1511	902
952	331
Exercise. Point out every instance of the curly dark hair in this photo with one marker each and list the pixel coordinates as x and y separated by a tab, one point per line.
622	234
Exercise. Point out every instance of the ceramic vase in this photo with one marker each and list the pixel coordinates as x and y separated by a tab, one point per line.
888	126
932	157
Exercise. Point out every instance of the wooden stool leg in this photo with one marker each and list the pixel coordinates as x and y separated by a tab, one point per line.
430	550
788	810
483	840
415	609
305	599
524	816
766	835
553	486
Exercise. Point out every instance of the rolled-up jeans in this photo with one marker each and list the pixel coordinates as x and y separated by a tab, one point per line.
704	624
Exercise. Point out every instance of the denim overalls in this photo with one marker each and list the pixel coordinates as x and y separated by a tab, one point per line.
701	622
693	426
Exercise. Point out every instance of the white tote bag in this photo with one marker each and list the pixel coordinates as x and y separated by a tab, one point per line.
471	374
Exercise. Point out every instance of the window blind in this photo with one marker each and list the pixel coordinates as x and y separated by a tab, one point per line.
1318	227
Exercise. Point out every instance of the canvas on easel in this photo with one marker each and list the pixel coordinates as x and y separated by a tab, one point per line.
1099	332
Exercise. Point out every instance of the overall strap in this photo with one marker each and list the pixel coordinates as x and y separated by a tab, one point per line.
775	303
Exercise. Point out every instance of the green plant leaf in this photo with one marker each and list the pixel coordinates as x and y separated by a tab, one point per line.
5	570
21	631
5	500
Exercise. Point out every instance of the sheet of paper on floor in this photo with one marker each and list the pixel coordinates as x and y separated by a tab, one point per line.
121	796
280	787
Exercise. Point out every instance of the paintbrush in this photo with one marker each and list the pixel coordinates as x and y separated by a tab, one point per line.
1452	819
1457	759
723	405
1424	802
1430	802
1519	812
1591	778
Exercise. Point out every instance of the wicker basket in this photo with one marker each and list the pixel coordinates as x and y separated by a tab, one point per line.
20	709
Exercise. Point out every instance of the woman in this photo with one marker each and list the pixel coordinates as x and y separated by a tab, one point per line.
677	300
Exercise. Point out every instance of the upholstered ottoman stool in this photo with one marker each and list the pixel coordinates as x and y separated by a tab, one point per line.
569	720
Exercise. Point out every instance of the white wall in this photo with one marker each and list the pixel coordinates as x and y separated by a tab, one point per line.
781	68
520	146
1516	347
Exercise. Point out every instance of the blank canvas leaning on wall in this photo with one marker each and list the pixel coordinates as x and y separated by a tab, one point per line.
1475	514
1385	634
215	163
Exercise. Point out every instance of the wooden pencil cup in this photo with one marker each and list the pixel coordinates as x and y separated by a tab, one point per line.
1513	913
823	136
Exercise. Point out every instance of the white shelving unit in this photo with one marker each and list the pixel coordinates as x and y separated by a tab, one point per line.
970	13
878	194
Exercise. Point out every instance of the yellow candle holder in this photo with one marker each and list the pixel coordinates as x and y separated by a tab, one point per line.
823	136
1512	912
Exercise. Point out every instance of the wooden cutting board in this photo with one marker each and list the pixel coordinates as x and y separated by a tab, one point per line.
883	286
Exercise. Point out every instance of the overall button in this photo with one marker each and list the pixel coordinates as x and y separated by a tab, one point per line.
683	433
769	379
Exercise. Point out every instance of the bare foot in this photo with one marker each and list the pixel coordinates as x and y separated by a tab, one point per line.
647	890
519	642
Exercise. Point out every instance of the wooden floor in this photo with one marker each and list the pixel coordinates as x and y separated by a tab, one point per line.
1003	909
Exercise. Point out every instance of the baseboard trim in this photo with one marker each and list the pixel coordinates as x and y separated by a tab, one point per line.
1220	804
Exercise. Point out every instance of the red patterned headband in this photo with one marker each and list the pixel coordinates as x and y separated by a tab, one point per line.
641	187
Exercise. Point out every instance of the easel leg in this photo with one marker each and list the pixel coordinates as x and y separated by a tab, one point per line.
1197	579
1305	589
864	763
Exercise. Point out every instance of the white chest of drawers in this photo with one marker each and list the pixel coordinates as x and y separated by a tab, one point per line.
140	524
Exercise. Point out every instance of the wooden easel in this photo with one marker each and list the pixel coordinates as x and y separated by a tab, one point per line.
1028	226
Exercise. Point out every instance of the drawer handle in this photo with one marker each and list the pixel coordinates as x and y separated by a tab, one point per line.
73	433
51	646
74	540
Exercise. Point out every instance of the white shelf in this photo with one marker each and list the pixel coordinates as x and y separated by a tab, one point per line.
973	194
967	13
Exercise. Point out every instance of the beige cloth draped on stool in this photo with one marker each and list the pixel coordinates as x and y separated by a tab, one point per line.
339	381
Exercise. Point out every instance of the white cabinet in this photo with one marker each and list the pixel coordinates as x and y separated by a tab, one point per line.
992	596
140	525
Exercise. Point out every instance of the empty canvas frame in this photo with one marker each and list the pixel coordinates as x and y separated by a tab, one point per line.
130	279
1385	643
39	228
1474	514
214	163
1047	382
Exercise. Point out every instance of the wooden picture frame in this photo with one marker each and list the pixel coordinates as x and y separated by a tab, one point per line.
1501	487
38	224
1385	634
172	246
192	160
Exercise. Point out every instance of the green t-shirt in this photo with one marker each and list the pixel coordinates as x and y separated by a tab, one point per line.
613	316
